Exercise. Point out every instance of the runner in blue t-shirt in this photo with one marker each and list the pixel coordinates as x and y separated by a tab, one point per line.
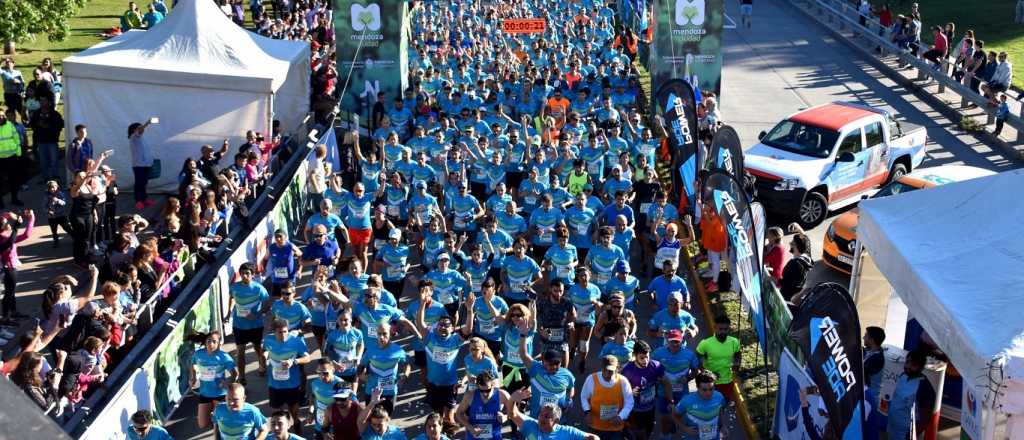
291	311
665	285
282	261
442	345
561	260
236	419
380	366
142	427
248	302
680	364
519	273
286	353
546	425
374	421
212	370
344	346
702	414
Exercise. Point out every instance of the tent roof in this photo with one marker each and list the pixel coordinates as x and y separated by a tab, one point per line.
195	46
955	255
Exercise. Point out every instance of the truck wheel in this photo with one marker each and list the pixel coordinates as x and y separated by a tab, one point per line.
813	210
898	170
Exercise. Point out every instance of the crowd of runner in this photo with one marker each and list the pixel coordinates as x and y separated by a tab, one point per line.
485	223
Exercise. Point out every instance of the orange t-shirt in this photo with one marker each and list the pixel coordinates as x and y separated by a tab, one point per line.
712	232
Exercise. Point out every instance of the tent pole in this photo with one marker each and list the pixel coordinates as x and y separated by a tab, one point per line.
858	264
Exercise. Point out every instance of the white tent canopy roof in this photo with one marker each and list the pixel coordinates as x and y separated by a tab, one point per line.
195	46
955	255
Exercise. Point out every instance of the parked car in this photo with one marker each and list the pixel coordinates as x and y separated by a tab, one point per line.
841	238
826	157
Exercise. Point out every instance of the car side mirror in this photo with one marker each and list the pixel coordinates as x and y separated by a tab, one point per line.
864	197
846	157
761	135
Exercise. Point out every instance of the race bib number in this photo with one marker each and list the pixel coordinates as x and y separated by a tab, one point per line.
708	429
280	272
359	214
545	235
608	412
332	325
445	296
393	210
513	357
582	229
666	254
602	277
583	311
594	168
678	382
647	395
395	271
556	334
247	310
477	285
278	371
443	356
207	374
321	409
371	331
317	305
645	207
548	398
530	200
386	382
485	431
460	221
564	272
487	326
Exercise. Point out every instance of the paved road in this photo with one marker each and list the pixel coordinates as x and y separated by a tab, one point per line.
784	64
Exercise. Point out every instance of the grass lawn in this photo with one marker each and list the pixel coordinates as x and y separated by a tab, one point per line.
97	17
991	20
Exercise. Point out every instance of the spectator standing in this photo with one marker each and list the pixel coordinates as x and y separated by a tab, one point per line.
10	162
38	386
47	126
56	210
775	253
142	161
1019	12
1001	79
1001	113
14	87
747	12
794	274
79	150
9	262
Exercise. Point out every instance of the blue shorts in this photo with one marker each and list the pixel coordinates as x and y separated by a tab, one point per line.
746	10
664	407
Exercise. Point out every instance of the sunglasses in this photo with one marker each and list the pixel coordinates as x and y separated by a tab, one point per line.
517	315
319	235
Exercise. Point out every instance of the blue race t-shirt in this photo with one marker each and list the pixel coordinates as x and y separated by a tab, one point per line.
249	300
549	387
343	347
678	366
664	288
370	319
291	348
701	414
383	364
531	430
442	354
295	313
241	425
211	369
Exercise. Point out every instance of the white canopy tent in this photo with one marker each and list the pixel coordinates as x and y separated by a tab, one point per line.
206	78
955	256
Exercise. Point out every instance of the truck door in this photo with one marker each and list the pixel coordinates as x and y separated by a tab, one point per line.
876	155
847	177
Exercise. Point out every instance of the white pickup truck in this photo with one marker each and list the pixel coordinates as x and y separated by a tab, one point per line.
826	157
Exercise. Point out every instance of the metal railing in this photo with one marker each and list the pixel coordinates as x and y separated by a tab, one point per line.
840	16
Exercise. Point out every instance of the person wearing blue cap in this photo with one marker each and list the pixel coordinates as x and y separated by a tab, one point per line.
624	282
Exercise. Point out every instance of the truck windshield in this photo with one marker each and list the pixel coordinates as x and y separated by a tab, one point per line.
801	139
893	188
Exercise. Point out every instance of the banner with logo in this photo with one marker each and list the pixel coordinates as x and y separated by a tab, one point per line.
777	318
726	152
970	416
729	203
687	43
827	329
790	421
371	41
676	105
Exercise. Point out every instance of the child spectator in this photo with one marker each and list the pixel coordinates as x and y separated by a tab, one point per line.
56	210
1001	113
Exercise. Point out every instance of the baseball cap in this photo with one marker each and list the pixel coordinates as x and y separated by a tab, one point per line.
443	256
622	267
609	362
395	234
674	335
677	297
342	393
420	184
617	168
382	208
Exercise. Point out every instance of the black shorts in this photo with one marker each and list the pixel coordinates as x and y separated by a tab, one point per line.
642	420
249	335
282	397
319	331
513	179
352	378
419	358
523	382
203	399
440	397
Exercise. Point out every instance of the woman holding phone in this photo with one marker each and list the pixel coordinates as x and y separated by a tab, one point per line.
142	161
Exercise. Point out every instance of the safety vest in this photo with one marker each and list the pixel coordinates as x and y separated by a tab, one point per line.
10	141
606	403
576	182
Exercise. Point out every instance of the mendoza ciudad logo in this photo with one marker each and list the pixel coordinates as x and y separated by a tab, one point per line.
837	368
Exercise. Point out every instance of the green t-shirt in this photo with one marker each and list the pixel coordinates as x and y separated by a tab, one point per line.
719	356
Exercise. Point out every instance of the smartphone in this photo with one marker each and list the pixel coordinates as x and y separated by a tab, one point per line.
154	120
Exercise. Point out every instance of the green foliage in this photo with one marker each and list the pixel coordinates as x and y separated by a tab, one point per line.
24	20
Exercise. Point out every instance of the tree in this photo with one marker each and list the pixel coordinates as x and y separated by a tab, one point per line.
24	20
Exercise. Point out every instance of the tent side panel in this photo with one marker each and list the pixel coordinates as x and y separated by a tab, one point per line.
189	118
291	100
